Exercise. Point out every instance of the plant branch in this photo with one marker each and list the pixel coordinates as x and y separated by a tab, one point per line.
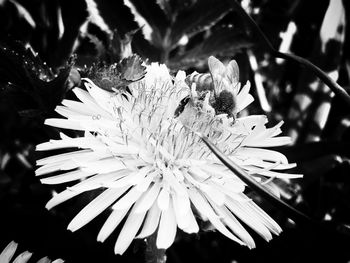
334	86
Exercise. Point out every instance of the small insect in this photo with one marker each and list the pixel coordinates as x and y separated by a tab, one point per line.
222	82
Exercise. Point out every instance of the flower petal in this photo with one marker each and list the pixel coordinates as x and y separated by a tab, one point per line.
127	200
163	199
66	177
203	206
61	197
44	260
64	124
23	257
8	252
250	218
129	230
192	225
95	207
235	226
148	198
167	228
111	223
62	157
244	98
151	223
267	155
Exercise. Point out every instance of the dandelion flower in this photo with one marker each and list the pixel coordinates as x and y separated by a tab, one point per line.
155	172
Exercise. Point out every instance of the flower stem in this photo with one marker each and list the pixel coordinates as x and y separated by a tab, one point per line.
334	86
153	254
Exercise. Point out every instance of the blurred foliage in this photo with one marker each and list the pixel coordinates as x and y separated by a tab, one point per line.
37	70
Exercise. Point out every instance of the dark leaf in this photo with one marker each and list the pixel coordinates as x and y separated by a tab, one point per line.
74	14
166	7
14	23
116	48
30	82
173	7
98	44
198	17
144	48
48	37
224	41
119	47
119	17
52	92
116	15
154	16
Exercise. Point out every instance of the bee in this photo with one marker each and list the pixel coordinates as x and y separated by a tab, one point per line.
203	81
222	82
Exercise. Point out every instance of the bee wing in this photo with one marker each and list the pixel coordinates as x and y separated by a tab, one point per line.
218	72
232	72
216	67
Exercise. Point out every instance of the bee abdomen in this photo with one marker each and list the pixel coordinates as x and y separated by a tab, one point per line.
203	81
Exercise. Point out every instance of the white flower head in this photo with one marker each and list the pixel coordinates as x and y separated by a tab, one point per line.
153	169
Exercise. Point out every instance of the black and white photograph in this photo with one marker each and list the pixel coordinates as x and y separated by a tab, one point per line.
174	131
